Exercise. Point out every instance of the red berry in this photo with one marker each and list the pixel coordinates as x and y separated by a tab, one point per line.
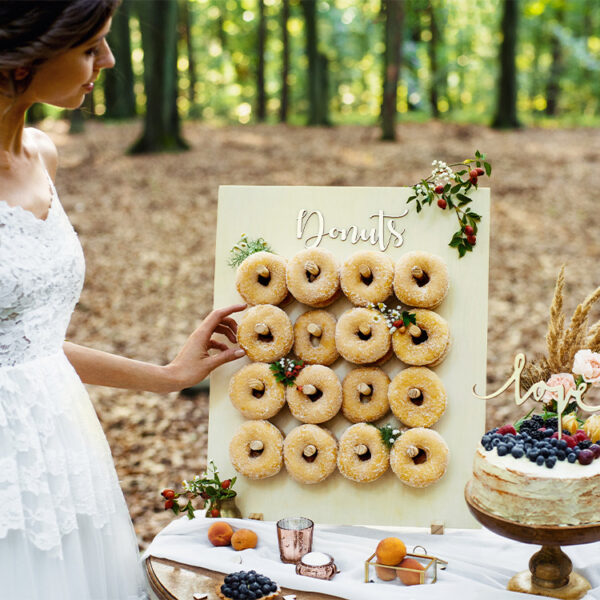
439	189
473	174
169	504
225	484
507	429
288	373
299	388
398	323
204	495
571	441
442	203
480	171
168	494
595	449
215	512
468	230
580	435
471	239
585	457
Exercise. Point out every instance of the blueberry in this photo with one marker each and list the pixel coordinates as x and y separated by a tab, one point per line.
571	457
495	442
540	460
532	455
549	433
545	452
502	449
550	461
553	441
562	444
561	454
273	586
517	451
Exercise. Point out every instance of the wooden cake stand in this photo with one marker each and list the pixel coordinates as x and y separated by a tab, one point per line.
550	569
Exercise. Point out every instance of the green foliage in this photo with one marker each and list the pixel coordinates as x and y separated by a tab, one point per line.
244	248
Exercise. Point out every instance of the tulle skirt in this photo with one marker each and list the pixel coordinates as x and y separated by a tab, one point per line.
65	531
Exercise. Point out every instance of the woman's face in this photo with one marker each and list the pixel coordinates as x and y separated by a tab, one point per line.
64	80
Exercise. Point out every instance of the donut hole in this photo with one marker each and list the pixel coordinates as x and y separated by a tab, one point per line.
258	393
423	337
310	277
265	337
366	398
366	456
310	459
255	453
422	280
264	280
367	280
418	400
315	396
364	336
420	457
314	340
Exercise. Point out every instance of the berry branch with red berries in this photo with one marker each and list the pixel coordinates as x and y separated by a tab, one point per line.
208	486
286	370
450	190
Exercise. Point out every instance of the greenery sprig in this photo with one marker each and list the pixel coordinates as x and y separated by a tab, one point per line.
395	318
286	370
208	486
389	435
244	248
450	190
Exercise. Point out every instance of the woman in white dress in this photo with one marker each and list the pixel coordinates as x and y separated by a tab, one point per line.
65	533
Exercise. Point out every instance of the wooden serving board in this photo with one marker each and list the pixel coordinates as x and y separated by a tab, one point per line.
292	218
171	580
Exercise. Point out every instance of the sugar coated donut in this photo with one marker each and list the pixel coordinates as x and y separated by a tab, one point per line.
366	277
310	453
313	277
260	279
362	336
362	455
255	392
256	449
365	394
317	395
314	338
425	344
265	333
417	397
419	457
421	279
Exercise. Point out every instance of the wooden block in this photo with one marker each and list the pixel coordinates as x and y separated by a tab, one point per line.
200	596
437	528
256	516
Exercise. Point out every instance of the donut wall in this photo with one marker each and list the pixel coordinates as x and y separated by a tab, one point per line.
422	360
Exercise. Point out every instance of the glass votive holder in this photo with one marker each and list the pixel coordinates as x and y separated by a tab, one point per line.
294	536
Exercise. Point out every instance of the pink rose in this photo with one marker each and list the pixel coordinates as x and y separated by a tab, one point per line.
565	379
587	364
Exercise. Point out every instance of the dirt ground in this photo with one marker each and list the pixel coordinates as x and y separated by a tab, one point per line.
147	224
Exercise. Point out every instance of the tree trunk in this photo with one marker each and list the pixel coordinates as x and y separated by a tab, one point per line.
158	25
434	78
317	69
186	23
506	112
118	81
393	13
285	61
556	68
261	98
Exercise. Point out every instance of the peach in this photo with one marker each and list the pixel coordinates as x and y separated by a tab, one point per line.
390	551
408	577
385	573
244	538
219	533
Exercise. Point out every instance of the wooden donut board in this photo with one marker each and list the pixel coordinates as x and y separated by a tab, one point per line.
273	214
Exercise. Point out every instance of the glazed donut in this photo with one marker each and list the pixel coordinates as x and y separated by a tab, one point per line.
417	397
366	277
314	338
265	333
362	336
310	453
260	279
419	457
256	449
255	392
425	344
313	277
362	455
421	279
365	394
317	395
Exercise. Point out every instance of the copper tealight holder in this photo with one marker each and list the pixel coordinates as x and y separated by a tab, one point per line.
318	565
294	536
427	575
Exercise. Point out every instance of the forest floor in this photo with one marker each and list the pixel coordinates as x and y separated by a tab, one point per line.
147	224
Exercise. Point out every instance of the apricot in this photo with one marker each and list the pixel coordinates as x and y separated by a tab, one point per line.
408	577
385	573
244	538
219	533
390	551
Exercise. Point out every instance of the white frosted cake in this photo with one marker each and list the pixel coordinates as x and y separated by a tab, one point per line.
522	491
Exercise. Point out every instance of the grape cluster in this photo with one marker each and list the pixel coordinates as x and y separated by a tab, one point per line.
540	444
247	585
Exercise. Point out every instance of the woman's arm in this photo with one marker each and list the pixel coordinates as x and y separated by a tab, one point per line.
191	365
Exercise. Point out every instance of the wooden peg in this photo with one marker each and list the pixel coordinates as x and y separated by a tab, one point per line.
312	267
309	389
262	271
437	528
365	271
314	329
361	449
414	331
257	516
262	329
256	445
417	272
364	389
412	451
309	451
414	393
364	328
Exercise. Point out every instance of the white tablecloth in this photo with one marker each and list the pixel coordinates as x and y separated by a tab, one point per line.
480	563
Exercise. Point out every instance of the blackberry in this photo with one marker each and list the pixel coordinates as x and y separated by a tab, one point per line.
584	445
552	422
538	420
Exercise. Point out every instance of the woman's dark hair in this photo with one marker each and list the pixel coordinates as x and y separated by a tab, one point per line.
31	32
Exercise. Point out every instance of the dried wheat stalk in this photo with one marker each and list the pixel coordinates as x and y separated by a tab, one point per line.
556	324
535	371
593	339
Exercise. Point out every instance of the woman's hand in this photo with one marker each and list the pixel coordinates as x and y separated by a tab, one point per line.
193	362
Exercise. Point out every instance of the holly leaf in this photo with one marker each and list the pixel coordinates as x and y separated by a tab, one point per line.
408	318
488	168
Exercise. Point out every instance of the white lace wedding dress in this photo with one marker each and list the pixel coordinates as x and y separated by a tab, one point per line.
65	531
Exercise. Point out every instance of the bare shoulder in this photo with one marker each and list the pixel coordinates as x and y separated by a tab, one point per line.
46	148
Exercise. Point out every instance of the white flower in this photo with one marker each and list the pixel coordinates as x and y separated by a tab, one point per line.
587	364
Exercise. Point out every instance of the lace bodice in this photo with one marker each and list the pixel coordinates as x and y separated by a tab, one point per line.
41	275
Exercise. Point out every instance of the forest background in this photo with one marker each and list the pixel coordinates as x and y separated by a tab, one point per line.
307	92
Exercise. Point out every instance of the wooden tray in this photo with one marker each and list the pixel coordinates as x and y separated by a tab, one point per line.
171	580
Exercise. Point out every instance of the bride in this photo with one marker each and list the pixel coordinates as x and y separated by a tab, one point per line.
65	533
